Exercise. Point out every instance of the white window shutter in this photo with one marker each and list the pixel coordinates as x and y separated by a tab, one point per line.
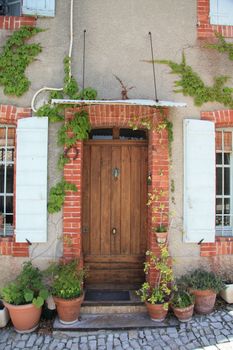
31	179
221	12
199	181
45	8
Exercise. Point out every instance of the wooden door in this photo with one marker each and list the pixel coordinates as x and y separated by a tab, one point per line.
115	212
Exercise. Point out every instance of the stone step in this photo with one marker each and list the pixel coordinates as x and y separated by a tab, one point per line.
112	308
93	322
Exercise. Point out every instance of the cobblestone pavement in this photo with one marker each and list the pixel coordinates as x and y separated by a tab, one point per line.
212	332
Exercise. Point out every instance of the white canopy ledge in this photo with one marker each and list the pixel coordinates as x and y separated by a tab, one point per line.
137	102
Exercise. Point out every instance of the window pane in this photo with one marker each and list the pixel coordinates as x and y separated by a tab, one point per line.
227	158
9	219
226	220
1	178
10	179
218	220
219	181
218	158
219	206
1	204
129	134
101	134
9	204
227	206
227	181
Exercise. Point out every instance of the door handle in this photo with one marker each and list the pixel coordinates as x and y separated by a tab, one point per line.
114	231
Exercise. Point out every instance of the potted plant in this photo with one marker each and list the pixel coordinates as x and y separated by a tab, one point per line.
157	294
67	290
161	233
182	304
227	292
4	315
24	298
204	286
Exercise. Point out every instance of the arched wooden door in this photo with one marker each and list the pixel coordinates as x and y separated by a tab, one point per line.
114	222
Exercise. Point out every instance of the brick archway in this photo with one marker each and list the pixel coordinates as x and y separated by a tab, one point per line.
158	167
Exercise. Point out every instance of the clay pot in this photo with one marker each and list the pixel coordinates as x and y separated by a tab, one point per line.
204	300
183	314
161	237
68	309
157	312
25	318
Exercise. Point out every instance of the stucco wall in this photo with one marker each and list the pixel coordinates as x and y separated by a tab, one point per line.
117	42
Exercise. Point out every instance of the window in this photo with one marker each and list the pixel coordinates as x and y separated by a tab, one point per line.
224	182
27	7
117	134
10	7
7	150
221	12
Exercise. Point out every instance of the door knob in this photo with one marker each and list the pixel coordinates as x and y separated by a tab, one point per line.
114	231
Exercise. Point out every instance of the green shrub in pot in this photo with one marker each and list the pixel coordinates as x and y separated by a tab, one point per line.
204	285
24	298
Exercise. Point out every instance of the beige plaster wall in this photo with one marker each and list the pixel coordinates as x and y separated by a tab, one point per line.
117	42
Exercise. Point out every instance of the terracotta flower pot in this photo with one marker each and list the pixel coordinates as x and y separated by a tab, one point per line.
161	237
157	312
68	309
183	314
204	300
25	318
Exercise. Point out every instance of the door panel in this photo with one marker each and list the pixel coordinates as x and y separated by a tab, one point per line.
115	211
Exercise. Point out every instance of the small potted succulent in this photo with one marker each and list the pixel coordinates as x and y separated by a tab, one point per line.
204	285
24	298
157	294
182	304
67	290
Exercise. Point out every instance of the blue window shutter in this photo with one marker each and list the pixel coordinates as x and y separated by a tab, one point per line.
44	8
199	181
221	12
31	179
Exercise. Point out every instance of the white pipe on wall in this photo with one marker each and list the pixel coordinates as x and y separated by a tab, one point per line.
70	54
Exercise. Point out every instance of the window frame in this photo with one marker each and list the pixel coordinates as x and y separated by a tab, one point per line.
5	194
224	231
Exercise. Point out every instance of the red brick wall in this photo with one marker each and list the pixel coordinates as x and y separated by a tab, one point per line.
158	158
204	28
16	22
222	245
10	115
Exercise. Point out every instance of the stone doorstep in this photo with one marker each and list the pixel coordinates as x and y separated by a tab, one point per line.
112	309
92	322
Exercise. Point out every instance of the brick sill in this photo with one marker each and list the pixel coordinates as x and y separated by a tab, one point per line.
16	22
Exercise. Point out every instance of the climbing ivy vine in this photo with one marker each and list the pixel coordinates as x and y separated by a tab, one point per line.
191	83
16	55
69	133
